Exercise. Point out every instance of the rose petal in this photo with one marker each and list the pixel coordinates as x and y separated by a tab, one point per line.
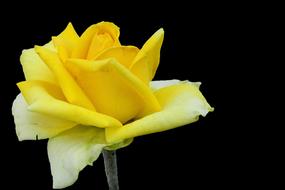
123	54
71	151
99	43
156	85
34	68
68	39
87	42
66	42
32	125
146	62
181	104
113	89
47	99
71	90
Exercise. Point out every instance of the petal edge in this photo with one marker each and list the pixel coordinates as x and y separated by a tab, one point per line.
181	104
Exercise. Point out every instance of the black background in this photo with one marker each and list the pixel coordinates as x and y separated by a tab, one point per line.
202	43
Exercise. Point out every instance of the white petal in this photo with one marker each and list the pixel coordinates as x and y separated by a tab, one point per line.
32	125
71	151
156	85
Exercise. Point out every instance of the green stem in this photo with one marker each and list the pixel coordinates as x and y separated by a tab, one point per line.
110	162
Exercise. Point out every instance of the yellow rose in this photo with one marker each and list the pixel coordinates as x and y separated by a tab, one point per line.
90	92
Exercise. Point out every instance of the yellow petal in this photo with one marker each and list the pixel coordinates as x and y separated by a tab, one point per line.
66	41
73	150
71	90
62	53
86	47
123	54
34	68
50	46
146	62
48	99
181	104
113	89
99	43
32	125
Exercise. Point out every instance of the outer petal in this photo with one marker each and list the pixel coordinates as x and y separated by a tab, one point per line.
71	151
87	43
32	126
181	104
48	99
71	90
34	68
156	85
113	89
146	62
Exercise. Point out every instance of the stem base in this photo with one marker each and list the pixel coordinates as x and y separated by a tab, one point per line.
110	162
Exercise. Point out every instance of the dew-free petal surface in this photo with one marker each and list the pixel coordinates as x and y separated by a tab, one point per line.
146	62
182	103
48	99
34	68
71	151
123	54
86	47
113	89
33	125
70	88
68	39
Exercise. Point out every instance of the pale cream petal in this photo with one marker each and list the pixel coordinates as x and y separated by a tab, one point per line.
158	84
71	151
32	125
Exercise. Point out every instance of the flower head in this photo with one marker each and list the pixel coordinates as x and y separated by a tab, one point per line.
90	92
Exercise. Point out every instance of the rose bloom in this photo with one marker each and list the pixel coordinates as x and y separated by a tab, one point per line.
90	93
